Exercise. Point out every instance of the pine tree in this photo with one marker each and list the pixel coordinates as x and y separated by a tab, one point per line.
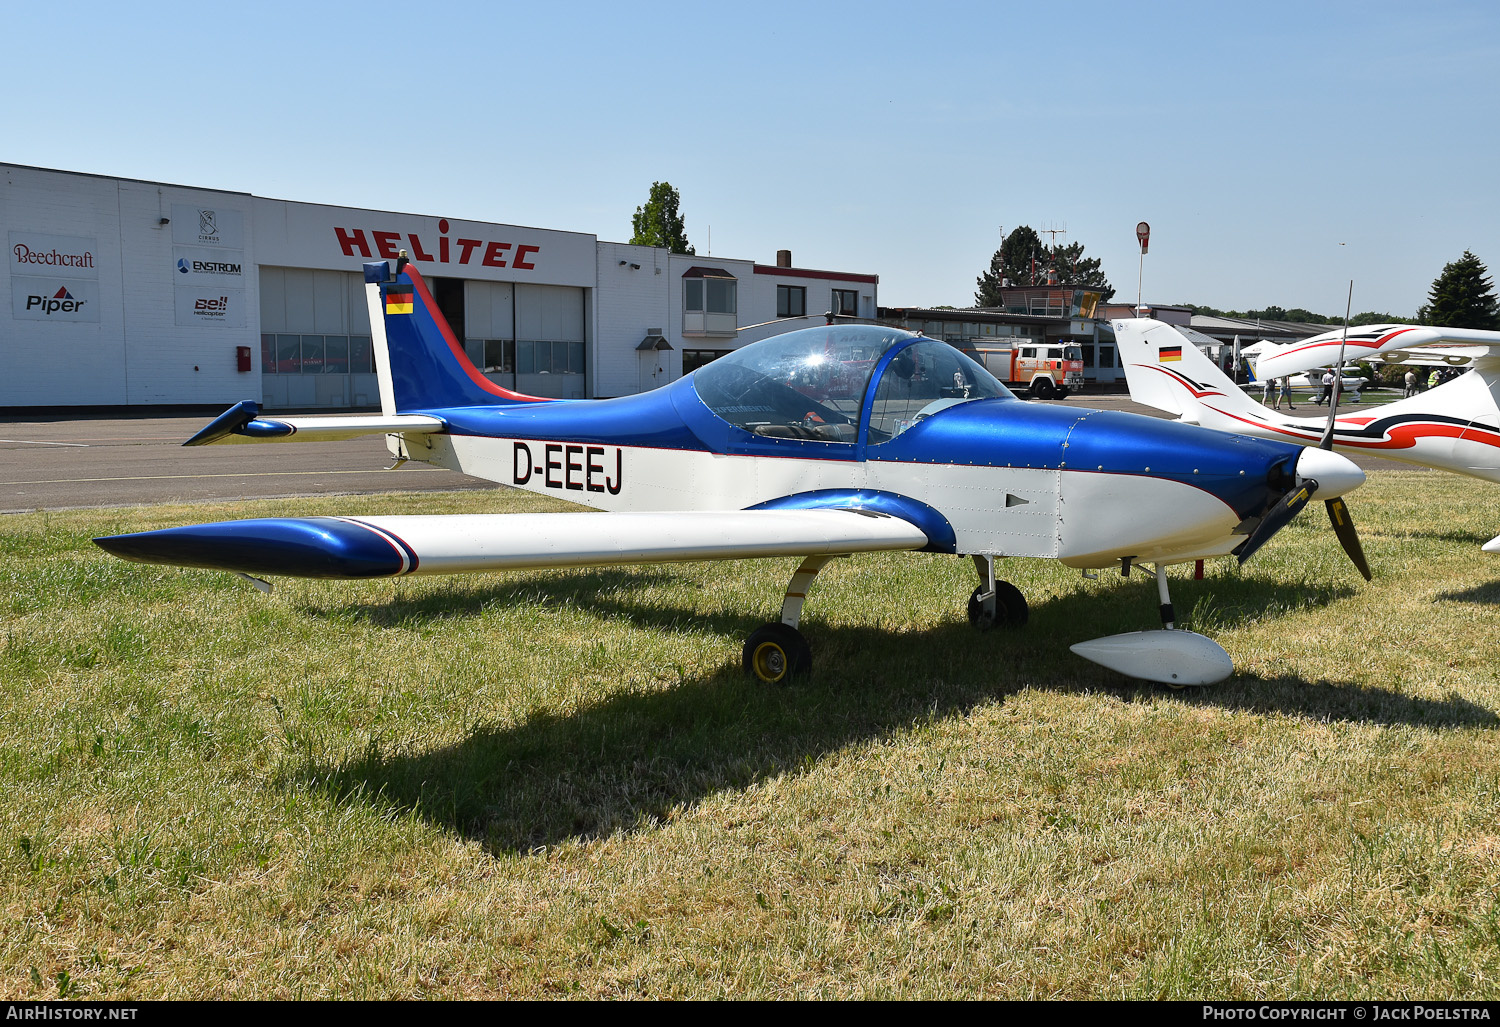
1013	260
1073	268
990	283
658	223
1024	261
1462	296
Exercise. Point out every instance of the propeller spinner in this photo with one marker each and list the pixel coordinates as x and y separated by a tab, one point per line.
1320	474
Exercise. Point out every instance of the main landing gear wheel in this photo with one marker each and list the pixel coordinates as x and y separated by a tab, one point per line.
1010	608
776	653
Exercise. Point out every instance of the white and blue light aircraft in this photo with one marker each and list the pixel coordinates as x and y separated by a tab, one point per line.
815	444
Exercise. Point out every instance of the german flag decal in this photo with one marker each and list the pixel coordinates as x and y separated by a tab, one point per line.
398	301
1165	355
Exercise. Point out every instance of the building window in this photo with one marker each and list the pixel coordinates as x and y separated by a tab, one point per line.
316	354
542	357
361	355
846	301
791	301
288	354
499	356
709	295
692	359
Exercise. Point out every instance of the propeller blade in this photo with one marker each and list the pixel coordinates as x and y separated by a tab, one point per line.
1343	527
1277	518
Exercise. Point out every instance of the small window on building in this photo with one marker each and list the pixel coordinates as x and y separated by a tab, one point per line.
499	356
361	355
268	354
288	354
791	300
692	294
312	354
721	295
846	301
692	359
336	354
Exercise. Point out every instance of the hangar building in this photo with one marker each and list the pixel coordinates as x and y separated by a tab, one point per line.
127	293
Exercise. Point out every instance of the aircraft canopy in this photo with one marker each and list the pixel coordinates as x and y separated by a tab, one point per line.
813	384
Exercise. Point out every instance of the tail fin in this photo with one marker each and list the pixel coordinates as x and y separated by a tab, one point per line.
419	362
1166	370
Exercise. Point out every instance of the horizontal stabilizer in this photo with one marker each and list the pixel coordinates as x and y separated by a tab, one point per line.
369	547
241	423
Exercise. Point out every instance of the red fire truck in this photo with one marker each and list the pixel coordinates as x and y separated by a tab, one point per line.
1040	370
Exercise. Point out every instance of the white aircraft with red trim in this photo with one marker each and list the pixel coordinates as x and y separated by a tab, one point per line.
814	444
1453	427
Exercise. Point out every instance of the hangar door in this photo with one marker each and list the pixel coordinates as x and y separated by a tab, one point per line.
315	350
529	338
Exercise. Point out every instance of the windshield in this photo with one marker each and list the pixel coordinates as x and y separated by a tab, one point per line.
808	384
1072	353
922	379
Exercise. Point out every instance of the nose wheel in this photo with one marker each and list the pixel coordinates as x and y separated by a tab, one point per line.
995	602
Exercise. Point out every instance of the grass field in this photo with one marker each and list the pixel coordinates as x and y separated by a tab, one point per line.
558	784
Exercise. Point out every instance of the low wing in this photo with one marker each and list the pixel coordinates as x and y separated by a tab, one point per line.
1392	344
372	547
243	423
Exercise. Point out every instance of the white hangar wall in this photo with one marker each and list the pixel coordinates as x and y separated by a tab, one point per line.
141	332
129	293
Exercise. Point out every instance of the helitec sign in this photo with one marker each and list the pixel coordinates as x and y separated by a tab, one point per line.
478	252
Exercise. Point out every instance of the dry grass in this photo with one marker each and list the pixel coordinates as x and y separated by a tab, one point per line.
559	784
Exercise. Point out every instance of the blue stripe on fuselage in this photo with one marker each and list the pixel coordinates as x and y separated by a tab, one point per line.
1001	433
997	433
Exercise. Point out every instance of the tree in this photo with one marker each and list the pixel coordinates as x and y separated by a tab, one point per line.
1073	268
658	223
1372	317
1023	260
1462	297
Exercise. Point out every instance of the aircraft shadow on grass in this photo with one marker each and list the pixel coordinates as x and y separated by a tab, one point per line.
1487	594
628	762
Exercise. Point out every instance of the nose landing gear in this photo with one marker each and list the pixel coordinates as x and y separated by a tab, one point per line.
995	602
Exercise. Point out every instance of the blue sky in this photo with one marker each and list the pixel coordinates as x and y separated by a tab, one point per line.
1277	149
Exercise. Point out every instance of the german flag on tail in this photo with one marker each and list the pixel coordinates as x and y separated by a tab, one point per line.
1167	354
398	300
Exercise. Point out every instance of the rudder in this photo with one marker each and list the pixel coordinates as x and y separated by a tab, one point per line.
419	362
1164	369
